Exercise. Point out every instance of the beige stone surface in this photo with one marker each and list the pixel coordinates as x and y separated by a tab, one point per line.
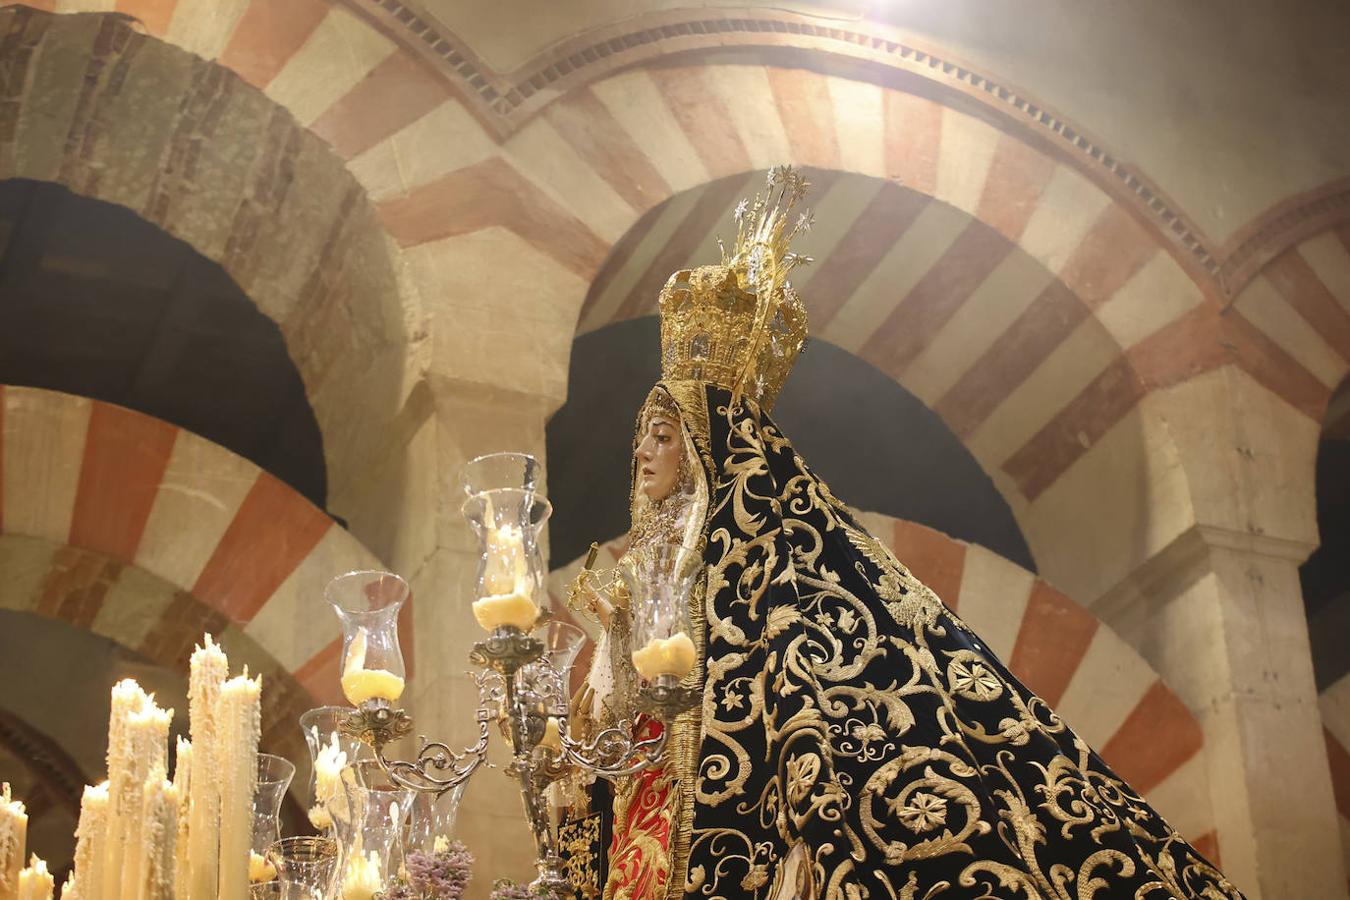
749	100
965	153
296	622
1064	372
859	121
991	309
204	26
638	105
1263	306
1111	679
542	155
198	496
1121	502
1066	210
1330	259
994	595
1157	295
337	55
922	245
43	453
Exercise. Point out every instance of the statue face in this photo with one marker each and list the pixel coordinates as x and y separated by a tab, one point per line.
658	457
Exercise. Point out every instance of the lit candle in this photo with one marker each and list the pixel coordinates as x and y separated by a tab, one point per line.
35	882
13	842
239	727
127	700
159	837
360	684
147	739
506	579
669	656
90	842
182	781
260	868
328	766
69	890
362	879
208	670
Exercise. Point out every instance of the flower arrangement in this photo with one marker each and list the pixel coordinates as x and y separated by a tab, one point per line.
443	874
506	889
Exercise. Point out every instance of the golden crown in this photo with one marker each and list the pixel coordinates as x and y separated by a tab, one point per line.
739	324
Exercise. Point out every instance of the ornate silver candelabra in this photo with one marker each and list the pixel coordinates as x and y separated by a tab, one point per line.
524	663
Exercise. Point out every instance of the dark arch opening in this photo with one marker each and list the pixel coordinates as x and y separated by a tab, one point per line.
878	446
1325	576
96	301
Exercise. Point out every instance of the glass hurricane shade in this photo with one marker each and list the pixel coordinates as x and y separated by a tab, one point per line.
367	605
520	471
659	578
509	583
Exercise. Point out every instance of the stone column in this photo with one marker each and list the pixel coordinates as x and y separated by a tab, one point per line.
1220	615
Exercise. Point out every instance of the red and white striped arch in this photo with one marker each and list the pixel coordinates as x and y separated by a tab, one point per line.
1335	706
1053	389
1105	690
126	119
210	540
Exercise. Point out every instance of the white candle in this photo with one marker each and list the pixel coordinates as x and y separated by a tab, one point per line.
69	890
35	882
362	879
182	780
90	842
123	790
509	590
328	766
13	842
238	718
260	868
669	656
159	835
360	684
208	670
147	739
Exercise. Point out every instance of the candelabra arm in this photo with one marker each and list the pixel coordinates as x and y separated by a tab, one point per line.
436	768
612	753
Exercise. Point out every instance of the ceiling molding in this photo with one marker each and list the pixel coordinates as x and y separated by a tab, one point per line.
505	101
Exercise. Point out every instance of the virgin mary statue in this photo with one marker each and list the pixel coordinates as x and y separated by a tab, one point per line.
855	738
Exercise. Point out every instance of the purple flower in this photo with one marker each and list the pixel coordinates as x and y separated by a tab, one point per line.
442	876
506	889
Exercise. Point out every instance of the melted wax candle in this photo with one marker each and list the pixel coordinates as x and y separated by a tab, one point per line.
665	656
360	684
506	579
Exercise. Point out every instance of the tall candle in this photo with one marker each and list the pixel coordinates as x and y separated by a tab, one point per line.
182	779
91	837
159	834
328	766
208	670
124	790
239	727
362	879
147	736
13	842
35	882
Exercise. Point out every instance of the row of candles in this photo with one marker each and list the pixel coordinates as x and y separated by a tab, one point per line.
143	836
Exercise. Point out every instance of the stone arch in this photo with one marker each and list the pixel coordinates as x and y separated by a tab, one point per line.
1102	687
131	524
1024	369
121	117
